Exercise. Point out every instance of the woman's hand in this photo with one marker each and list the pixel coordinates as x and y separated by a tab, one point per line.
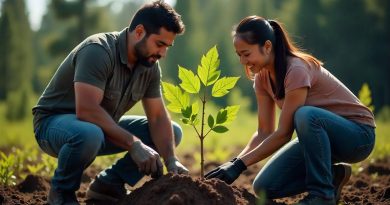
228	172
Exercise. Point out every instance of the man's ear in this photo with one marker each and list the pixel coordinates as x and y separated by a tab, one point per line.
140	32
268	47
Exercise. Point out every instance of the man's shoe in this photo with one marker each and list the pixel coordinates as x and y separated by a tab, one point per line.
62	198
99	190
341	174
316	200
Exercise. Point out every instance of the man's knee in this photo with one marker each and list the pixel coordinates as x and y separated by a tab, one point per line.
177	132
90	137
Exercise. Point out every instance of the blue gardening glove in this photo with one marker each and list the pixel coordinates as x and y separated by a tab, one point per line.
228	172
174	166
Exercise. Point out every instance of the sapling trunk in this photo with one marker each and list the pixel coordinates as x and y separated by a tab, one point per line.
201	139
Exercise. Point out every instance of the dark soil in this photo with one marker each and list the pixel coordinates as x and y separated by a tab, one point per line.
369	186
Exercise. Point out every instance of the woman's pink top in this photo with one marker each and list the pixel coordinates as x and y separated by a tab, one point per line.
325	90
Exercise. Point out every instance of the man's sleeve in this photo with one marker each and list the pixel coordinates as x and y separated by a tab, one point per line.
154	88
92	66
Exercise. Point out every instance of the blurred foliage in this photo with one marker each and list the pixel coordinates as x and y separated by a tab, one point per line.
365	96
350	37
16	58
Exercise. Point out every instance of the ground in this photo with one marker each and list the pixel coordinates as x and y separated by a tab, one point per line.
371	185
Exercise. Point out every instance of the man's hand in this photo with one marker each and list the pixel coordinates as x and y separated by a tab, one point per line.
228	172
147	160
173	165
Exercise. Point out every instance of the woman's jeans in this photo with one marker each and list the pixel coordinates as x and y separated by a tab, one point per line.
305	163
76	144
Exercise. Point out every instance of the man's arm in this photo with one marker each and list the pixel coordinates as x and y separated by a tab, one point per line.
88	99
160	126
88	109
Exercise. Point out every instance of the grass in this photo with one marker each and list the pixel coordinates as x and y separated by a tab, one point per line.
219	147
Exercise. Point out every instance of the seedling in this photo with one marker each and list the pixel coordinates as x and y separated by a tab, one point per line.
203	85
7	164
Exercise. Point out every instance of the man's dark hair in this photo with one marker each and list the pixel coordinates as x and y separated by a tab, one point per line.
155	15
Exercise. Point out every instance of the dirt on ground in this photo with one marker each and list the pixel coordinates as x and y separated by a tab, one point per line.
370	186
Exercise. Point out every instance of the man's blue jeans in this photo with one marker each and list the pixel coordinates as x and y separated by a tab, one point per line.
305	163
77	143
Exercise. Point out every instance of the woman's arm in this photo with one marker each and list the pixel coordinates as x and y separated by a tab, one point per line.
293	100
266	122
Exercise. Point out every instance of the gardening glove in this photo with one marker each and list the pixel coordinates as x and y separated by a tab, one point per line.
220	166
147	160
173	165
227	172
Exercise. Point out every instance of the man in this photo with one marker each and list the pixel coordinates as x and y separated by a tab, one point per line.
80	115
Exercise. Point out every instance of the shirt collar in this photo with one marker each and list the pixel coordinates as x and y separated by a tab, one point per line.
123	46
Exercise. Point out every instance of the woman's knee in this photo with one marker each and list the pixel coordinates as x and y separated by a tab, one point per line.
303	117
177	132
261	185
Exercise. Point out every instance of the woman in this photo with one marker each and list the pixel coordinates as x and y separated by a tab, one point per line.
331	124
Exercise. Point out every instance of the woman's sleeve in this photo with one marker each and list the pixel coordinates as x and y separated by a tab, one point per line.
297	77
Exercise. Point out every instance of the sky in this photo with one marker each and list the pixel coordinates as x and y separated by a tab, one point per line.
37	8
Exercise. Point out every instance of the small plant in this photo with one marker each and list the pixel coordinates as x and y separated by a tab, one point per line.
365	96
199	85
49	163
34	169
7	164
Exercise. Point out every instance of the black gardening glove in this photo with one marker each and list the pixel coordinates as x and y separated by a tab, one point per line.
228	172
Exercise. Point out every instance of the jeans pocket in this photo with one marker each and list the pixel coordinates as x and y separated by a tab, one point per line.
45	146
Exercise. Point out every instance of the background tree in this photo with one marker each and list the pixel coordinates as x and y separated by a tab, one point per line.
16	58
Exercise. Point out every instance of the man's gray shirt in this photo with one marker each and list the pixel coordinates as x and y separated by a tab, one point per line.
100	60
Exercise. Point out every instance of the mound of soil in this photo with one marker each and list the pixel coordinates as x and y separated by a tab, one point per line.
370	186
33	190
184	190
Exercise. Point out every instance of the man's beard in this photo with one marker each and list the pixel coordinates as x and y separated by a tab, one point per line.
142	54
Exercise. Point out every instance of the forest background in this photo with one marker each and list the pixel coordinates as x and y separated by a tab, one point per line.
352	38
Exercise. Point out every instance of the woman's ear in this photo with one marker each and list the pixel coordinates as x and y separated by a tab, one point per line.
268	47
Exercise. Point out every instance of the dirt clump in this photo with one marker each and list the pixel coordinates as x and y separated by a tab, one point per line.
185	190
371	185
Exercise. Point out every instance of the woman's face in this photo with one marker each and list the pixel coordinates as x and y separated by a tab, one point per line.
252	56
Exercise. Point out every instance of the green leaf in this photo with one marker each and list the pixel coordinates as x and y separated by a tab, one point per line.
207	70
221	116
220	129
189	81
222	86
210	121
178	100
194	119
231	113
195	108
186	112
185	121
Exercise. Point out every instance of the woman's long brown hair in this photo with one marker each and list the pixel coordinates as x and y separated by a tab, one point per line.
257	30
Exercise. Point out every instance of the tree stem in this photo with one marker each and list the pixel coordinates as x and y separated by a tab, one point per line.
202	138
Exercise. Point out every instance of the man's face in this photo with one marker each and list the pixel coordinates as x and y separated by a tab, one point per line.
153	47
